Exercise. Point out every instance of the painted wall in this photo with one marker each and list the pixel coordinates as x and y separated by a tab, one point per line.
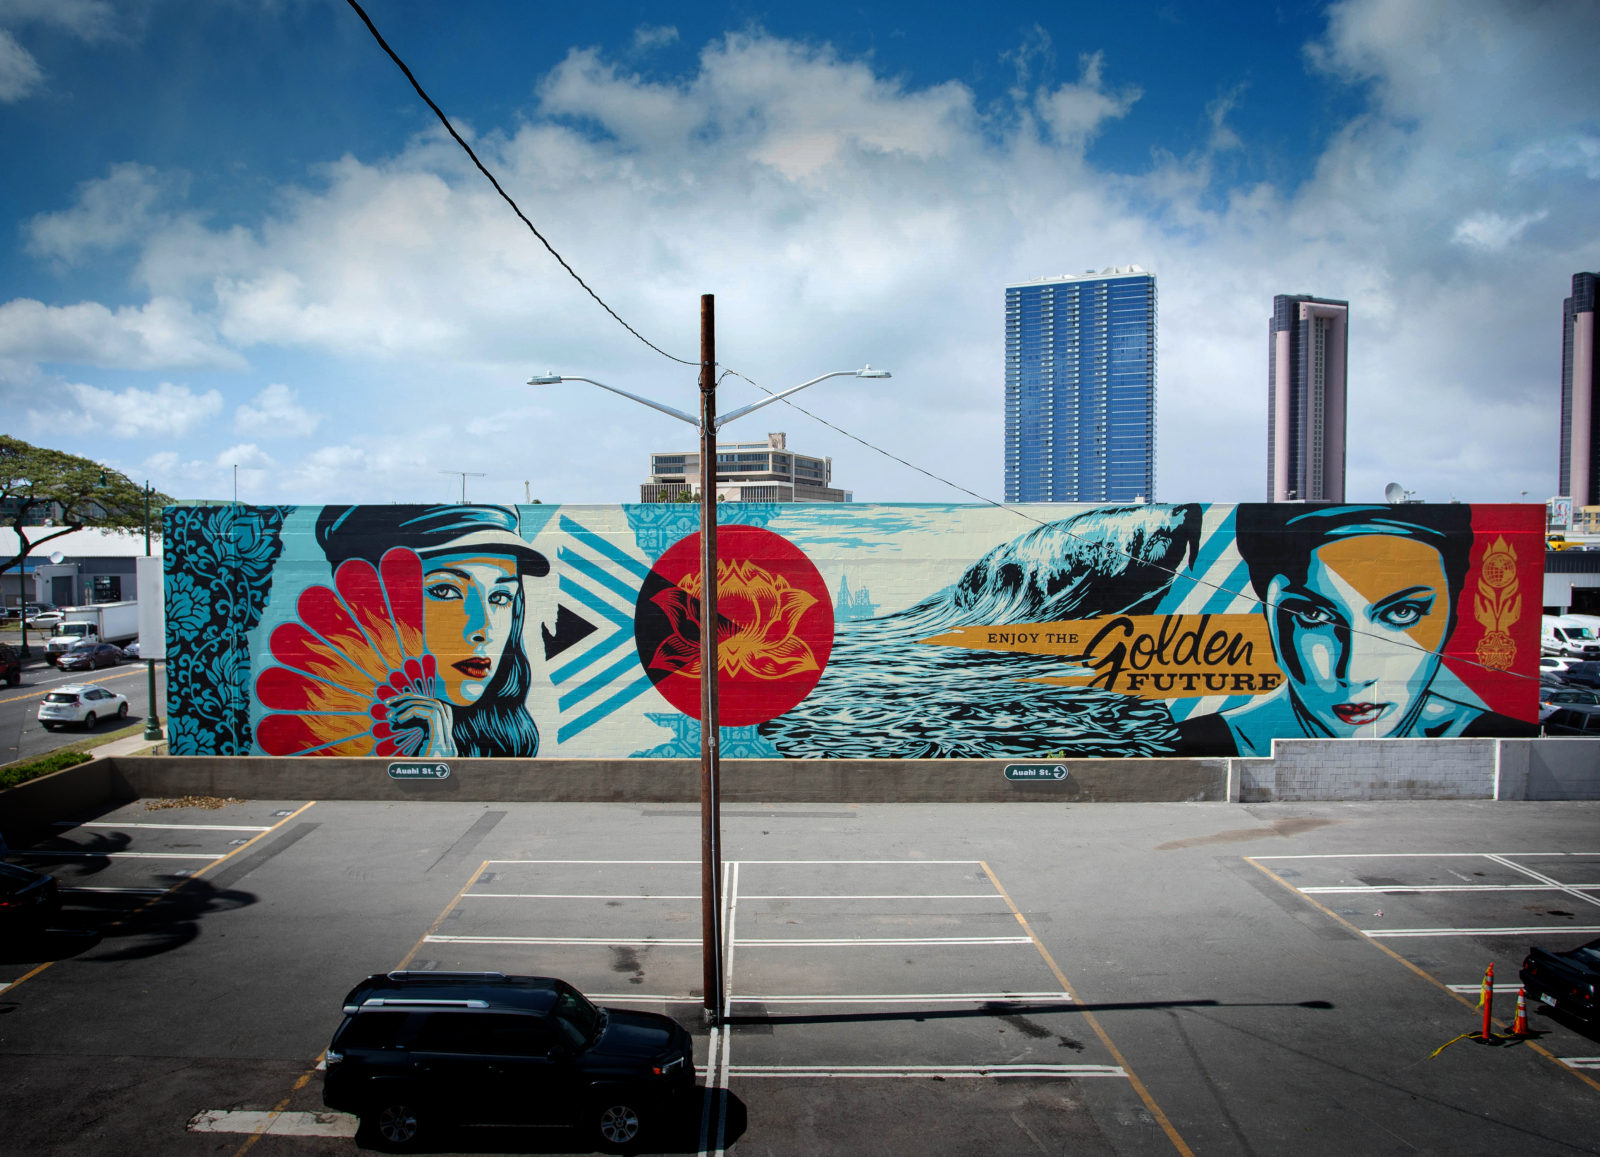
848	631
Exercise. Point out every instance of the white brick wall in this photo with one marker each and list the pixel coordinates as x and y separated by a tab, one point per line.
1362	769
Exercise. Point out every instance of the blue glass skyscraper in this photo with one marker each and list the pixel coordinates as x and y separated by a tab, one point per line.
1081	388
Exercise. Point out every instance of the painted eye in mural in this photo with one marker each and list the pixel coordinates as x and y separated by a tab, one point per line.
353	648
1309	616
443	591
1406	613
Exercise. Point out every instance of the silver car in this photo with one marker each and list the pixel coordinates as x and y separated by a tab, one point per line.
84	703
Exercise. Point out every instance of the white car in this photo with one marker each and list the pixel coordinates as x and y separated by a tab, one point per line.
84	703
45	620
1555	664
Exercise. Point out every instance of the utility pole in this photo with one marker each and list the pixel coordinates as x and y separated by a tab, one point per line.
465	474
710	777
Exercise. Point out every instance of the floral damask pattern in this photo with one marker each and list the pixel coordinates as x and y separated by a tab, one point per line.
218	564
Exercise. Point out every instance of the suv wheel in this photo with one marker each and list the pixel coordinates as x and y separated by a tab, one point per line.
619	1121
89	721
394	1124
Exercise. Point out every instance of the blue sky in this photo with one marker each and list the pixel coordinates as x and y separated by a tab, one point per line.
235	237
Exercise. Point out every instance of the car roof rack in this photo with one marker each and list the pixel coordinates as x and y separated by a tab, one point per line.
404	975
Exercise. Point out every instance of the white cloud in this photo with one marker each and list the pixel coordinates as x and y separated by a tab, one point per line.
649	36
166	412
110	212
1494	232
843	216
20	73
164	333
276	413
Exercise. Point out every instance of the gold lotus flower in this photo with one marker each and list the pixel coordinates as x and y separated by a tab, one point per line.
757	613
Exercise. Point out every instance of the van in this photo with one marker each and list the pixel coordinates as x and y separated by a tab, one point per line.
1575	635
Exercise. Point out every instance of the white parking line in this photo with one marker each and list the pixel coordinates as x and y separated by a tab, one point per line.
1544	879
944	1072
568	896
1544	930
262	1123
1474	989
121	891
1057	997
1414	855
990	896
1383	889
606	940
883	941
1580	1062
35	853
166	827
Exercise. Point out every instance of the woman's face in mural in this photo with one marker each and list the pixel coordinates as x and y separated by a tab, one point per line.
1358	640
467	614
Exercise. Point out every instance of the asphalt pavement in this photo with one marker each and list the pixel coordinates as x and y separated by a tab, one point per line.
929	979
22	736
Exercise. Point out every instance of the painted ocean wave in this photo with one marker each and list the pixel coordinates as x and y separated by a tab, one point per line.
884	696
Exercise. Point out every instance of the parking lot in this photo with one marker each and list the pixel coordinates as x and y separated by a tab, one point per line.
1123	979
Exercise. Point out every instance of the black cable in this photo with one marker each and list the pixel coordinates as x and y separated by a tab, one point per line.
444	120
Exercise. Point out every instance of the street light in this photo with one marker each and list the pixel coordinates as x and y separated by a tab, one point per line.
710	775
152	718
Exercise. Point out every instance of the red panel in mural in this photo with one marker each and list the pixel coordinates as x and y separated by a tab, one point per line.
774	625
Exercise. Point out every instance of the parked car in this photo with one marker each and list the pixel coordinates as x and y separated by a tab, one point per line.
89	656
44	620
84	703
1565	981
421	1050
1555	664
131	651
10	664
1586	673
1564	695
28	899
1574	719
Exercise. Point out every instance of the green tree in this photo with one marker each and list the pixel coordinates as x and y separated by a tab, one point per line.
39	485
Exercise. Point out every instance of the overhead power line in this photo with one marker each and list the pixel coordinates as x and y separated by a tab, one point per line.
445	121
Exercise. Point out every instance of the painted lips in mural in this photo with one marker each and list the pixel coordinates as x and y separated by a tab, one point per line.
774	625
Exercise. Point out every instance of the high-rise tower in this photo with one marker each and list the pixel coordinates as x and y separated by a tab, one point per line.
1081	388
1307	353
1580	413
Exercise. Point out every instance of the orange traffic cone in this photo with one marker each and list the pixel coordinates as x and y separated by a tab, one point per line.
1519	1026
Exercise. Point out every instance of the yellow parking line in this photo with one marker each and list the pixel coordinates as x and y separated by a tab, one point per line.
1429	977
306	1076
180	884
1116	1054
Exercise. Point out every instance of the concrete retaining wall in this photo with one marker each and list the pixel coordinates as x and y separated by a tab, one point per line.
1566	768
1351	769
678	780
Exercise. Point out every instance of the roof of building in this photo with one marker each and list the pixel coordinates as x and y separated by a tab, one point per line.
89	543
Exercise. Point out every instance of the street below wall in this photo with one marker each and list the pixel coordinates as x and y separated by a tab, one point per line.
22	736
1118	979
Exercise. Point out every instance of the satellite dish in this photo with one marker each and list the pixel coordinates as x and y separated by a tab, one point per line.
58	558
1394	493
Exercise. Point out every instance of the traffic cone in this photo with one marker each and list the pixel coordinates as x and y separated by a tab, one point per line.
1519	1026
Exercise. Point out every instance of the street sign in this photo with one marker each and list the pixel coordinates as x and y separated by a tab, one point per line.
1036	771
419	771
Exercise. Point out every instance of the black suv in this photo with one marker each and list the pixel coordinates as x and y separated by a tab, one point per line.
10	664
420	1049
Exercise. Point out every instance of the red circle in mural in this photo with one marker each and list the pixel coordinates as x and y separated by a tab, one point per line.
774	625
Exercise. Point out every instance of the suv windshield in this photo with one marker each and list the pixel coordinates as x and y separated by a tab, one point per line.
580	1021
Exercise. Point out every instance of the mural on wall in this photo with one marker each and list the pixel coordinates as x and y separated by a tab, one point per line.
845	631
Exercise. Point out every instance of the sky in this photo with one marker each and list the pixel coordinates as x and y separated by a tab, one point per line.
242	257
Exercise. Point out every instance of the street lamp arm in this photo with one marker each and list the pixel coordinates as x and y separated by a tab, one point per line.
551	379
866	372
